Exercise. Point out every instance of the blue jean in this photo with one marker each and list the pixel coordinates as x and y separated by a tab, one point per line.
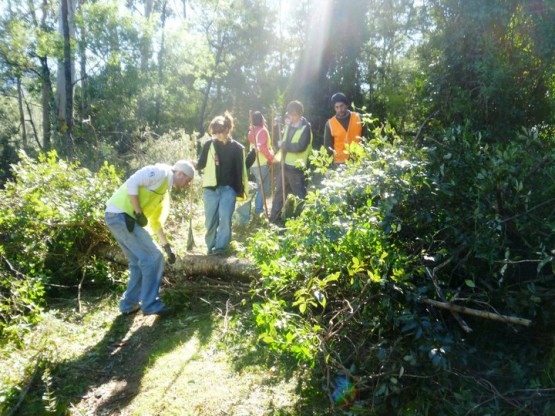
146	266
219	204
259	202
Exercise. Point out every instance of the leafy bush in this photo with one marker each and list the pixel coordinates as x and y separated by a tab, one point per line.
342	287
50	224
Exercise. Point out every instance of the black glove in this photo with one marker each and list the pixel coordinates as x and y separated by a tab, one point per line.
171	256
129	222
141	219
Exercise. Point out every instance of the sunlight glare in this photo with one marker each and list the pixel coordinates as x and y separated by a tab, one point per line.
318	35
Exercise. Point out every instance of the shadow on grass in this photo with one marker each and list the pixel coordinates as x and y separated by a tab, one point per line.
107	376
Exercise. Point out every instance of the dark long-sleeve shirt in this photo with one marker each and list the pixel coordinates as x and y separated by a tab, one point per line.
229	169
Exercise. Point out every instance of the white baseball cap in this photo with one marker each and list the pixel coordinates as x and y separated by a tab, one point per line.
185	167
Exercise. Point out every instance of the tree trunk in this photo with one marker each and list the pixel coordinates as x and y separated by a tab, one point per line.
227	268
66	73
145	50
47	96
202	112
47	99
160	68
21	113
83	69
145	42
32	123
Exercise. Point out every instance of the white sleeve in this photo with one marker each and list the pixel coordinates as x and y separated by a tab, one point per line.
149	177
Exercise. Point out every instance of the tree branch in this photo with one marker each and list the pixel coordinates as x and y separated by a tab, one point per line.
475	312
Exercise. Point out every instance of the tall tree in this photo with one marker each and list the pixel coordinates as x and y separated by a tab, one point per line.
388	61
82	48
237	35
24	40
113	75
161	62
490	64
45	45
21	113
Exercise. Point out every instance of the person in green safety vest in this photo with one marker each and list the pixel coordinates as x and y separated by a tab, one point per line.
139	207
294	150
222	162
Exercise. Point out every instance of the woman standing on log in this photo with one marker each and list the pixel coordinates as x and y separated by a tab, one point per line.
224	179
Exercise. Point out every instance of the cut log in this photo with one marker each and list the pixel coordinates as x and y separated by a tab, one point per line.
225	267
228	268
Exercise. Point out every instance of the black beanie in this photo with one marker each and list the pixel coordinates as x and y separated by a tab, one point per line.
338	97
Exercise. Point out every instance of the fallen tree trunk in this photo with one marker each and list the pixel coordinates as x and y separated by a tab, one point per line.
228	268
475	312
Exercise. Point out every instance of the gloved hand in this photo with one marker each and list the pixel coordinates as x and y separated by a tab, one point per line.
141	219
129	222
171	255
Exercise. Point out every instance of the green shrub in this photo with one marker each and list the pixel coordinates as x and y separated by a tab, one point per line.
167	148
50	225
342	286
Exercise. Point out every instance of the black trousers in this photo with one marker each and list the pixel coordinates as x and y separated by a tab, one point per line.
294	183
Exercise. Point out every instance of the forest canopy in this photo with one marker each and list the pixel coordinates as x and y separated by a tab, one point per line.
95	78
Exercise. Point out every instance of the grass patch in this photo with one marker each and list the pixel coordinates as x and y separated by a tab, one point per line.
204	360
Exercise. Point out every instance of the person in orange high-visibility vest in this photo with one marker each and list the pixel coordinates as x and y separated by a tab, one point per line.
342	129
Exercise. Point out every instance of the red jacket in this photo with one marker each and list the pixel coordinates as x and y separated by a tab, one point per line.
263	145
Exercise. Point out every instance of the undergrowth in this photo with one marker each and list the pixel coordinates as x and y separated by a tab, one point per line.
345	286
51	223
